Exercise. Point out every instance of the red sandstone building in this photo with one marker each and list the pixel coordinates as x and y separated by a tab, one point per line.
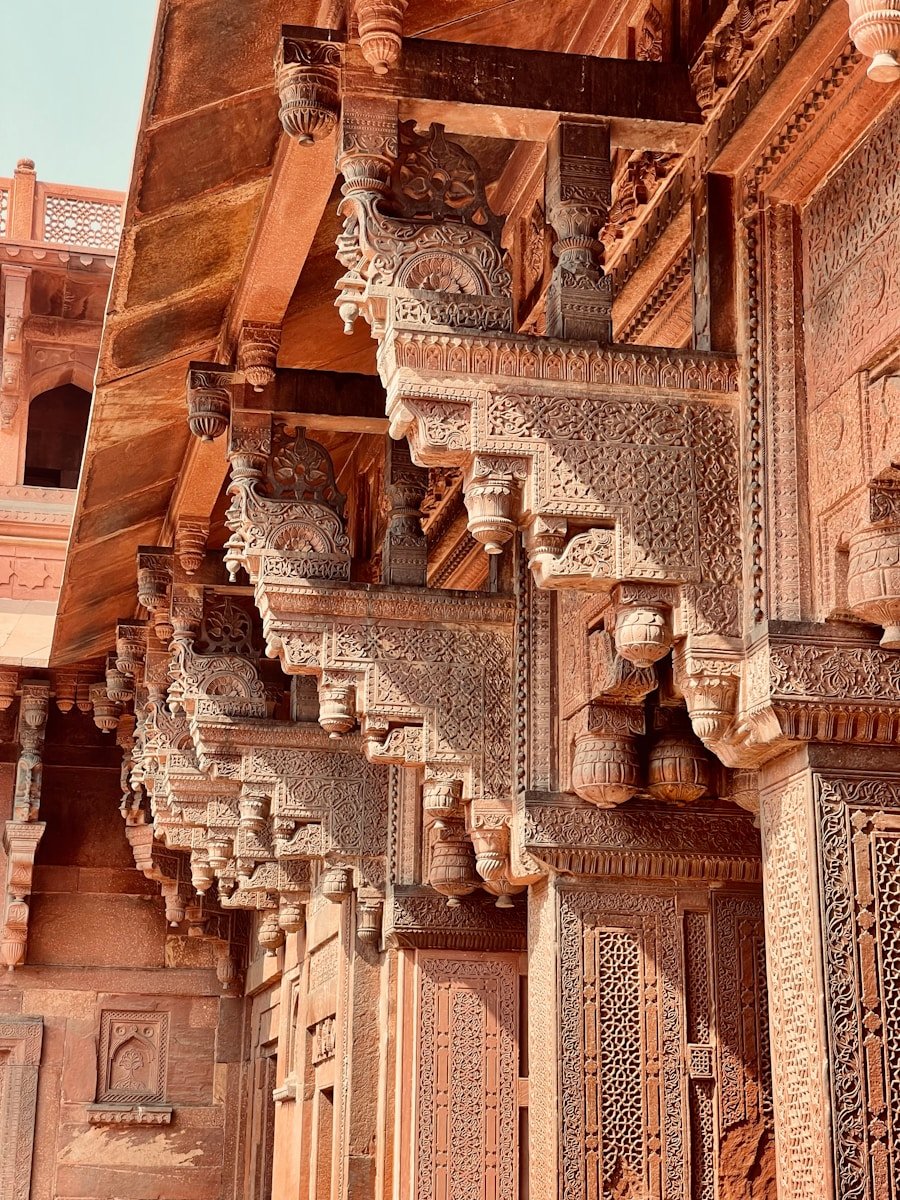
467	765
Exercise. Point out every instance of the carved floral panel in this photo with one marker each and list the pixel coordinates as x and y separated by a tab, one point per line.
466	1141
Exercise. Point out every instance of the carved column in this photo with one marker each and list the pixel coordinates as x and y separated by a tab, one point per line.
23	833
578	195
15	282
830	821
405	553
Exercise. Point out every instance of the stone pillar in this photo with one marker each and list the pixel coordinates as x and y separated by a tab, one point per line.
578	194
830	820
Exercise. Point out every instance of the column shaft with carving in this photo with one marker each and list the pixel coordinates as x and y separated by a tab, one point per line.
22	834
578	197
831	833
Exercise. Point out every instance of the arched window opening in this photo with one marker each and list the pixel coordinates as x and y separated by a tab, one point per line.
57	426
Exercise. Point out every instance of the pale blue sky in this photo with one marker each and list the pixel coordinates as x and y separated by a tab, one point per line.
71	87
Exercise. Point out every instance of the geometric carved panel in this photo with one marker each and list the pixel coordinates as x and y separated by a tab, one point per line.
467	1077
133	1057
20	1056
663	1045
859	832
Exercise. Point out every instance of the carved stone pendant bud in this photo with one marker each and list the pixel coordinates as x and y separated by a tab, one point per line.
873	579
337	884
605	768
678	770
642	634
492	504
118	686
106	711
227	971
453	864
441	799
218	851
208	399
380	32
290	914
270	935
190	543
64	685
337	714
202	875
253	807
368	920
307	80
130	646
257	352
8	685
875	30
491	852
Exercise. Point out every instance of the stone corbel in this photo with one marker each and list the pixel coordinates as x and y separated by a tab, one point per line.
586	559
308	85
209	387
418	228
191	536
380	28
154	586
709	681
20	841
257	352
22	834
285	511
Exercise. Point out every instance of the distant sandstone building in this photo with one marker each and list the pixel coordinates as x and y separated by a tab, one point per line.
467	766
56	257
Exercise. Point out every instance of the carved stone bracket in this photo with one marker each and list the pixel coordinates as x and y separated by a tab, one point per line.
285	513
307	81
380	27
208	399
620	467
417	224
798	683
22	834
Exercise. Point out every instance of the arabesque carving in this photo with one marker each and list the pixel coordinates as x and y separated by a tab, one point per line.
417	221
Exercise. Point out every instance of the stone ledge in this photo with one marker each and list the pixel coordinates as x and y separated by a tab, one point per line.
129	1114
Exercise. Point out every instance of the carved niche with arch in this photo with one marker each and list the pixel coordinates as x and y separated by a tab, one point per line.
133	1057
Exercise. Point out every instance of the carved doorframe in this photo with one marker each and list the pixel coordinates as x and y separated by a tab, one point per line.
20	1056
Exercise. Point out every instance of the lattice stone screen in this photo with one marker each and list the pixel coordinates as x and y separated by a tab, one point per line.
75	222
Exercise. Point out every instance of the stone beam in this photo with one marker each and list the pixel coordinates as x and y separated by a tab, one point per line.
495	91
283	236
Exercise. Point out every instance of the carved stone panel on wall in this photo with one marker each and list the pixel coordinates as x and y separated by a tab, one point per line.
466	1077
20	1055
133	1057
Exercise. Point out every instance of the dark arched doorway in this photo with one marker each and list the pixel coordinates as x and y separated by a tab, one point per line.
57	425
